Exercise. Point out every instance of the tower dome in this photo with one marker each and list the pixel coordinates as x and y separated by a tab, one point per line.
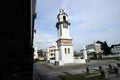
62	16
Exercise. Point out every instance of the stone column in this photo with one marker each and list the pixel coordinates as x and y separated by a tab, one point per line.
48	57
56	56
85	54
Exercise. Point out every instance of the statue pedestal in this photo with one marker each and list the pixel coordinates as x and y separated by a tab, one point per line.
56	63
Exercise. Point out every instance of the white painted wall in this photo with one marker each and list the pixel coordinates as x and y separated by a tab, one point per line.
61	62
65	33
116	49
56	54
52	61
68	57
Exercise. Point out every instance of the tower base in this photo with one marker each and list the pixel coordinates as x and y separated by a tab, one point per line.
59	63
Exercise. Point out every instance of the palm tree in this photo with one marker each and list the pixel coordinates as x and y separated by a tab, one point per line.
106	49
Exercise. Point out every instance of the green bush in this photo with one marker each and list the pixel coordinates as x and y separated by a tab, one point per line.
36	60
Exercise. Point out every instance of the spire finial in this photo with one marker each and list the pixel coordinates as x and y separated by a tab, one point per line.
61	10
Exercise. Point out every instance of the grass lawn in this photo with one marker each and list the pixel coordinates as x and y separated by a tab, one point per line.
38	60
80	77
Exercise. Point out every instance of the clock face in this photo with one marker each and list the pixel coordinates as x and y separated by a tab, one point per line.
65	25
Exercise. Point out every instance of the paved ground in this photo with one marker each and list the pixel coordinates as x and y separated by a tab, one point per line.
38	73
114	77
45	71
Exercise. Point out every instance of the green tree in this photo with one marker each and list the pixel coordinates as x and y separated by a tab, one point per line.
76	54
105	47
94	55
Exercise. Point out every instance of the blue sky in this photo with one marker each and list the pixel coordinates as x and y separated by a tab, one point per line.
91	20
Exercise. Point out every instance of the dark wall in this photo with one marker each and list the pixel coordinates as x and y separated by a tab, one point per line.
16	53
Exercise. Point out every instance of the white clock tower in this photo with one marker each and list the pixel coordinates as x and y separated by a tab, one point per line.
64	42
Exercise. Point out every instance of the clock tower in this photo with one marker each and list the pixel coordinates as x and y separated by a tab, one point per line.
64	42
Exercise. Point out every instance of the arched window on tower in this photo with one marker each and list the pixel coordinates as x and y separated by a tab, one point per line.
65	50
68	50
64	18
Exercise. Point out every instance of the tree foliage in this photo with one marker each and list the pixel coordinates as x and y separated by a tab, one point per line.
76	54
105	47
